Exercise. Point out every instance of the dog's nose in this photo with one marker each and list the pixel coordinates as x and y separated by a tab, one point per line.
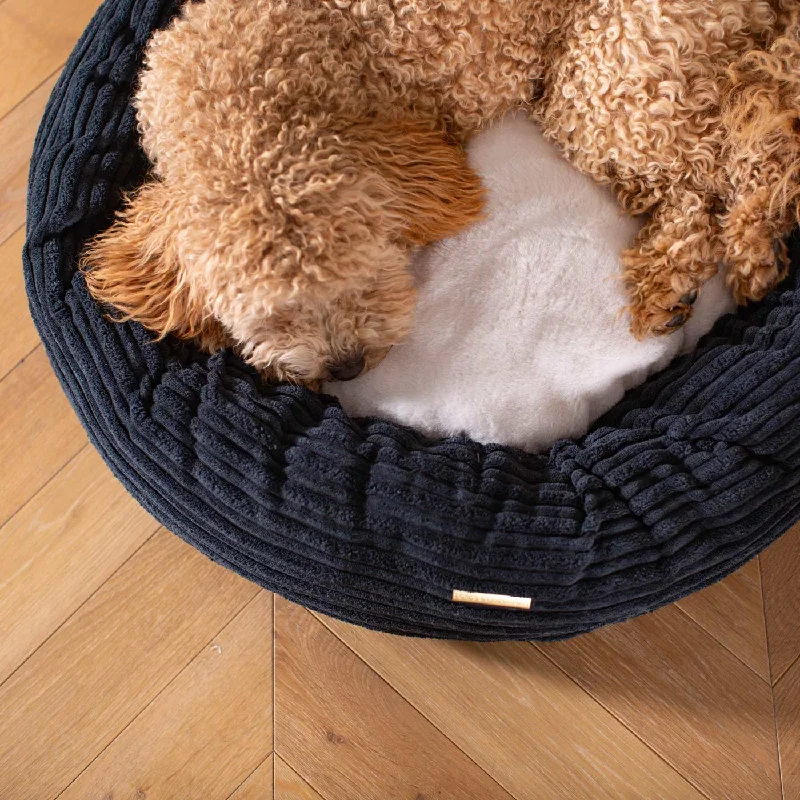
348	370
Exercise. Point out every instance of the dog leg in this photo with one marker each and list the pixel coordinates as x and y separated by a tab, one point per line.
673	256
761	115
755	255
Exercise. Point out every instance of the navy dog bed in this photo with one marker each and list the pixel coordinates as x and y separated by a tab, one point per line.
689	477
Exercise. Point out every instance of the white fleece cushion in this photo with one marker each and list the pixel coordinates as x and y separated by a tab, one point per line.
517	336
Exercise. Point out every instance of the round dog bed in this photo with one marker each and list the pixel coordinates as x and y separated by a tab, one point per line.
685	480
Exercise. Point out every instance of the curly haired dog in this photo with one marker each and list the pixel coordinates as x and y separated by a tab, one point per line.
302	148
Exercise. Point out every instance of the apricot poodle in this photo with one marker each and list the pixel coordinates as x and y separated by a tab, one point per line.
302	148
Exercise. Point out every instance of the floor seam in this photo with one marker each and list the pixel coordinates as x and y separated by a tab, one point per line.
33	91
784	670
33	497
158	694
418	710
722	644
21	361
23	358
253	772
19	227
75	610
622	722
773	684
298	773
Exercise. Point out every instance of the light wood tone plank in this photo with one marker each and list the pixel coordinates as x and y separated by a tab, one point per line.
206	732
39	432
351	734
787	720
685	695
520	717
59	549
108	661
102	667
35	39
258	786
17	132
290	786
732	611
17	333
780	567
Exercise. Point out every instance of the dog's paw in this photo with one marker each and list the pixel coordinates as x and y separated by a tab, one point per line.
754	276
661	314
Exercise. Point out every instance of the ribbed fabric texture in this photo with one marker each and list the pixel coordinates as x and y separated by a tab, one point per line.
689	477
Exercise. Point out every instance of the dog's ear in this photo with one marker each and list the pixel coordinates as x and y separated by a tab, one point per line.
134	267
432	188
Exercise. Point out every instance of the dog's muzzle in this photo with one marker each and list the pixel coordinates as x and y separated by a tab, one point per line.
348	370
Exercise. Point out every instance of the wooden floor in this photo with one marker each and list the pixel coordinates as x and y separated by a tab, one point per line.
132	667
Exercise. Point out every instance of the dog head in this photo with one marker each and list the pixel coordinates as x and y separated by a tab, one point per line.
306	274
294	318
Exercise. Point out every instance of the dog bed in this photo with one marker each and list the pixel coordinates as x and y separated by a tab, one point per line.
682	482
517	335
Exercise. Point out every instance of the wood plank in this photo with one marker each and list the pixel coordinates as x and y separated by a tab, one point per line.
17	132
685	695
354	736
732	611
35	40
780	566
520	717
40	431
59	549
206	732
258	786
787	721
290	786
79	690
17	333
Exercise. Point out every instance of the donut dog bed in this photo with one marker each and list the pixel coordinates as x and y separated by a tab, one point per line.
682	482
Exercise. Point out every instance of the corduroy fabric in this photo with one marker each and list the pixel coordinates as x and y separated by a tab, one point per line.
680	484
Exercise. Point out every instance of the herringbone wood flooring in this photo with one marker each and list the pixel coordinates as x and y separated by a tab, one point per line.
132	667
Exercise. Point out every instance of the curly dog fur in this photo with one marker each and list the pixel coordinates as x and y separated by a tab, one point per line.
302	148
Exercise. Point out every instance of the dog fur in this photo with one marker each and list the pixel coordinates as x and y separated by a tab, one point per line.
302	148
